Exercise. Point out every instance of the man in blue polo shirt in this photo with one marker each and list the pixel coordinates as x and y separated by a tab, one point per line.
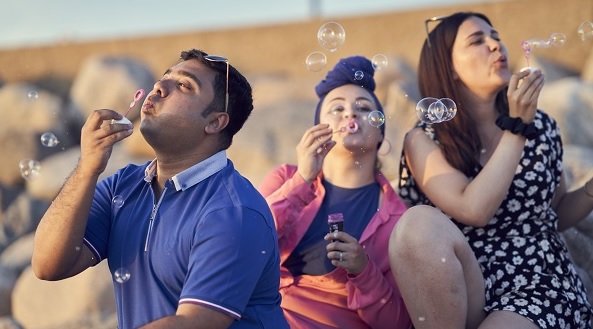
189	241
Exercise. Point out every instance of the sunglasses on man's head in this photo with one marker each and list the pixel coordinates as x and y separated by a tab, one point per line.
220	59
432	19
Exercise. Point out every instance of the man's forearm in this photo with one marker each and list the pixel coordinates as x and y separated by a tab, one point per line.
59	235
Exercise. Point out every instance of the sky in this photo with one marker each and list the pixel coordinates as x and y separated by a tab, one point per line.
39	22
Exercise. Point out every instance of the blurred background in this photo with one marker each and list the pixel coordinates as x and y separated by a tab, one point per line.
62	59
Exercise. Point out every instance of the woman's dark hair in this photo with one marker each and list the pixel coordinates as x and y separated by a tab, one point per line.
240	103
458	138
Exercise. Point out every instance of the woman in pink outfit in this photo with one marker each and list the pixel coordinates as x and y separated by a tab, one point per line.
342	279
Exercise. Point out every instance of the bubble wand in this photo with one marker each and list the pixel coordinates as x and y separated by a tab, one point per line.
137	96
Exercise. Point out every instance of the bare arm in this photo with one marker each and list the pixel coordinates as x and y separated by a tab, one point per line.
194	317
573	206
58	250
474	202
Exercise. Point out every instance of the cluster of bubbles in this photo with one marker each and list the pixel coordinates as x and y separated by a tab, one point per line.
555	39
331	36
30	168
585	33
434	110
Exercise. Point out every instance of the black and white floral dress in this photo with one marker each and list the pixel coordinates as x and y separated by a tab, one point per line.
524	260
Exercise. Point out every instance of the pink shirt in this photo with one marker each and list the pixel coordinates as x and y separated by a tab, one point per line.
335	300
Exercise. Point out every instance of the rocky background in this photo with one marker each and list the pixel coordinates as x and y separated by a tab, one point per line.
53	89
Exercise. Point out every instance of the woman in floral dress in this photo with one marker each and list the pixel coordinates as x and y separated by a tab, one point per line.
480	246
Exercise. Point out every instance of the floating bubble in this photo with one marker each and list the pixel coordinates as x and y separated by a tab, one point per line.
585	31
433	110
331	36
29	168
376	118
379	62
558	39
118	201
451	108
49	140
421	319
33	95
358	75
316	61
121	275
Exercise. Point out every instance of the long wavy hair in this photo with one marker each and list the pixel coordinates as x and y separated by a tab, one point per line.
458	138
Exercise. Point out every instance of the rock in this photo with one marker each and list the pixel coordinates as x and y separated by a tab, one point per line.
570	102
110	82
22	126
41	304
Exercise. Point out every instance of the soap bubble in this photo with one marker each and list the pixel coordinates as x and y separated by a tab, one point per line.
118	201
433	110
379	62
316	61
450	108
376	118
585	31
33	95
331	36
121	275
29	168
358	75
49	140
558	39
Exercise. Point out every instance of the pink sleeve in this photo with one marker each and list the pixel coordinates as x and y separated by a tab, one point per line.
376	297
287	193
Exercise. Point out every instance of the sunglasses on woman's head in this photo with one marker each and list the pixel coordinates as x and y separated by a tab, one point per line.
432	19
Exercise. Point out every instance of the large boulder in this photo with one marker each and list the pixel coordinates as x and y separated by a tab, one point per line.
110	82
38	304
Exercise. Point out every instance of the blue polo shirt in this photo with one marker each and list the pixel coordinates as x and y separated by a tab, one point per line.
209	240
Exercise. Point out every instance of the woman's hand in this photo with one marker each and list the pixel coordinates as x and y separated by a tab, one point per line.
523	92
346	252
312	149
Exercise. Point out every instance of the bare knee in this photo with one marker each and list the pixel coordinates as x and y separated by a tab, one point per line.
419	231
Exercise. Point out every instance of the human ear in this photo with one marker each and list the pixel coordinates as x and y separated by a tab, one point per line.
218	121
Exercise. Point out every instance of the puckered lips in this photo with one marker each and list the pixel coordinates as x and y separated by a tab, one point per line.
352	127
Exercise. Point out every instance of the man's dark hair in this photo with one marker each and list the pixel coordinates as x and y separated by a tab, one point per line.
240	103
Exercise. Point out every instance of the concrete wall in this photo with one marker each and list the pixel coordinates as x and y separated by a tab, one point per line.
282	49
